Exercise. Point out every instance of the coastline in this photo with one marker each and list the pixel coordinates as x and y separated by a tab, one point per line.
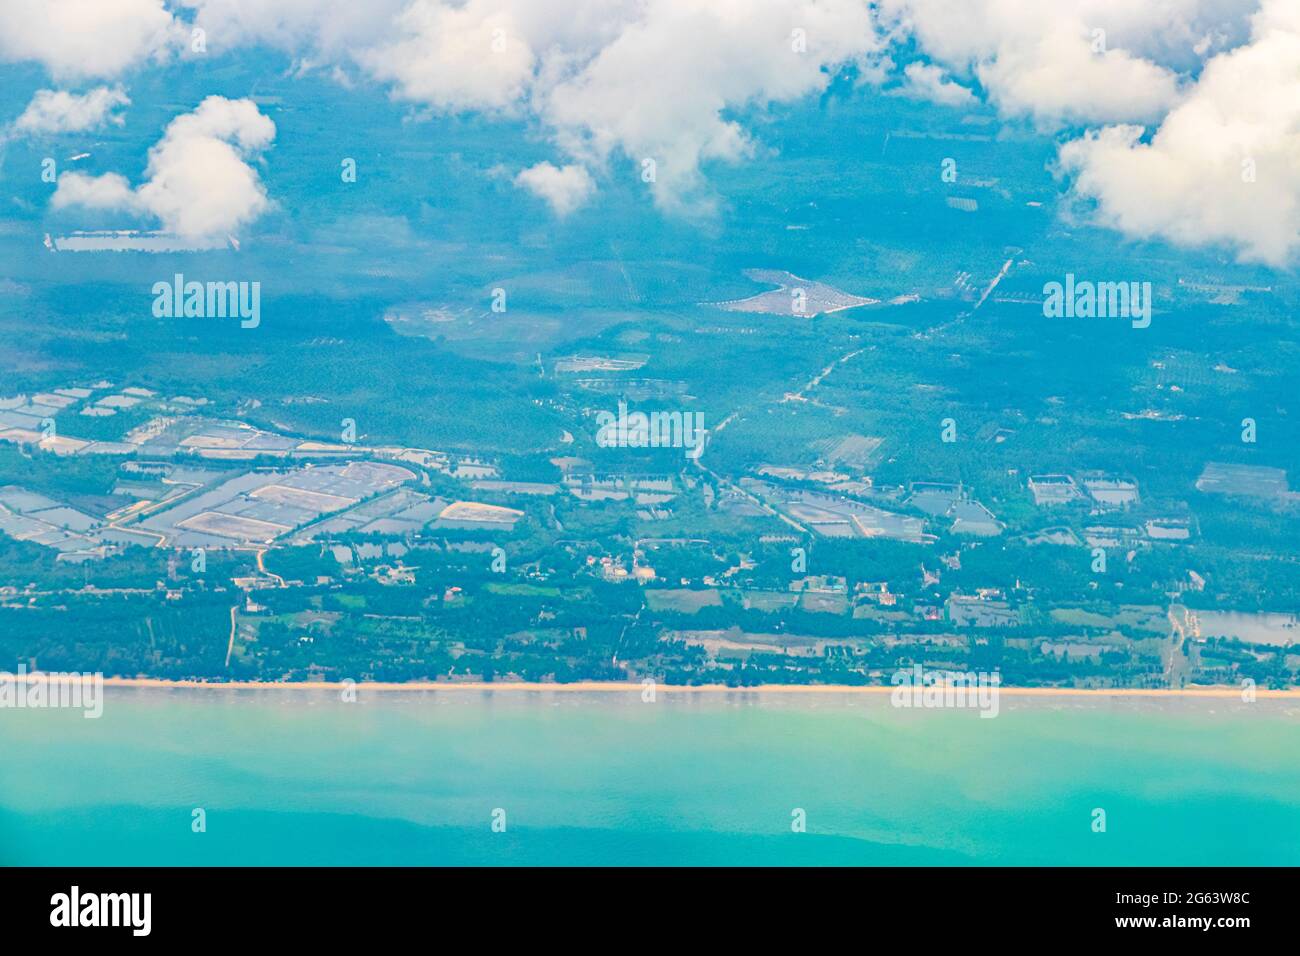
609	687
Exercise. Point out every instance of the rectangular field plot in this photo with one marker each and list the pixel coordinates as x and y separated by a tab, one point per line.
317	501
233	526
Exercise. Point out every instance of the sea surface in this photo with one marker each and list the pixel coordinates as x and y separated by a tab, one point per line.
302	777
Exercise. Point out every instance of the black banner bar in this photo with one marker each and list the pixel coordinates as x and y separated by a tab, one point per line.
1223	906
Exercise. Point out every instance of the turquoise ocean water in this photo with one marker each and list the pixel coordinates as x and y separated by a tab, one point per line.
415	778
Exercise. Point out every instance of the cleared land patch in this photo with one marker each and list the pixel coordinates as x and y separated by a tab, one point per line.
233	526
302	498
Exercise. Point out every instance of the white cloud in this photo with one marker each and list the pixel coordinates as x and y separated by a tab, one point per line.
925	81
109	191
662	88
566	188
1061	78
1188	184
199	183
57	111
1071	61
324	28
85	38
455	58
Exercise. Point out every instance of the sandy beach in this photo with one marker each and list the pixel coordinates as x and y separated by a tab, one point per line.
619	687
